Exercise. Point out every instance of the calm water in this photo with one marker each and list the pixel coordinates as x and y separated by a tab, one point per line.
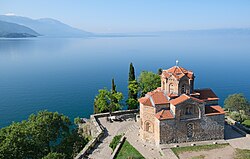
64	75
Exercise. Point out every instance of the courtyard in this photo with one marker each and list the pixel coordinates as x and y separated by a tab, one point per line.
130	128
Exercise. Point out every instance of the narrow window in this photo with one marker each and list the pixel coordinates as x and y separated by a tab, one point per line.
183	89
171	88
190	128
189	111
148	127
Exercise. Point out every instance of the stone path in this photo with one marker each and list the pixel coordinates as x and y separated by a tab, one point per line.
221	153
102	150
149	151
235	139
131	130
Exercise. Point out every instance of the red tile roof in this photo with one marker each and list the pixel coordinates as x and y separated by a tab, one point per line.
171	95
206	94
182	99
164	114
157	97
213	110
178	72
145	101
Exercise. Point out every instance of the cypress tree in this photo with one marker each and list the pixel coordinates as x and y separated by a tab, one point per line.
132	89
131	76
113	86
159	72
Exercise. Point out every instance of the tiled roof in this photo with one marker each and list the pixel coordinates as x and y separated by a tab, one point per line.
156	97
171	95
159	98
164	114
183	98
178	72
145	101
213	110
206	94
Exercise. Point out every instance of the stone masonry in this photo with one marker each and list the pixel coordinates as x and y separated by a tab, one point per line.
176	112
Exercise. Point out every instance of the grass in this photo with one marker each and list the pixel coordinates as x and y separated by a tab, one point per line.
179	150
242	154
246	123
127	151
115	141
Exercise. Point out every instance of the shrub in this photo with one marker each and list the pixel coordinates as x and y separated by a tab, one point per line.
238	116
246	123
115	141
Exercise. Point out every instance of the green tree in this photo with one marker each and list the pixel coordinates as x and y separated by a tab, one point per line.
237	102
108	101
131	76
113	86
72	144
15	142
148	81
40	135
132	81
55	155
133	88
239	116
159	72
77	120
47	128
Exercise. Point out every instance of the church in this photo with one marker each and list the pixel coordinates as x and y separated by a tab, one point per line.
176	112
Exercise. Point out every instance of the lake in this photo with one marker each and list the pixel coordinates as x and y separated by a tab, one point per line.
64	74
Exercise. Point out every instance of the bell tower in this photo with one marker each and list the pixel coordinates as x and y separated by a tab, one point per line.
177	80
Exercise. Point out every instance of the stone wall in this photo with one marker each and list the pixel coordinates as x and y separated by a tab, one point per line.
147	115
97	130
206	128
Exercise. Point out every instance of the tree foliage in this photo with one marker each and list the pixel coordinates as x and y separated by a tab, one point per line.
55	155
107	101
239	116
40	135
131	76
132	89
159	72
148	81
237	102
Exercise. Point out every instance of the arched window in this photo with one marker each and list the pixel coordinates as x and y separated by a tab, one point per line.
163	85
188	110
171	88
148	126
190	128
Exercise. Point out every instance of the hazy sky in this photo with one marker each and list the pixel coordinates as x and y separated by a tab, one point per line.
135	15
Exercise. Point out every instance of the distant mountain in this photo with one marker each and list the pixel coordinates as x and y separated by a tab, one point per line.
12	30
47	26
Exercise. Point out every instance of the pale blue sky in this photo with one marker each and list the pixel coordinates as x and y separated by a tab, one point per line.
136	15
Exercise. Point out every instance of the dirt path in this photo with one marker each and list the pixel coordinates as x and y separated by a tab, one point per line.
222	153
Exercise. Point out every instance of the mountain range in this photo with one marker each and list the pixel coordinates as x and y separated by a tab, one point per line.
10	30
46	26
18	26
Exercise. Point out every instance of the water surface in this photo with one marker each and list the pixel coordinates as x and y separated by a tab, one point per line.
64	74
